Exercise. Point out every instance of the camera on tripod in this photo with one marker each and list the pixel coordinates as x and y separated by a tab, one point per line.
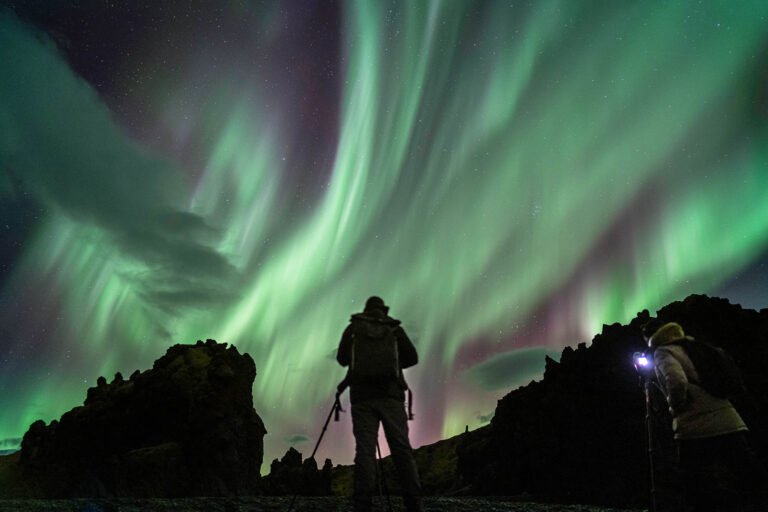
643	362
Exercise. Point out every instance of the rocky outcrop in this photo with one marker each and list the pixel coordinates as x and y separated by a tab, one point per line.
186	427
579	435
293	475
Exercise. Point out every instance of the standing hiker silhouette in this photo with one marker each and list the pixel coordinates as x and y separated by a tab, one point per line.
376	349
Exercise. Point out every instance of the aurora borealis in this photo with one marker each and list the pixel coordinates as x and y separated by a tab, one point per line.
509	176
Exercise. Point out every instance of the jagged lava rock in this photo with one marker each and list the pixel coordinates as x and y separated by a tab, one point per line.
187	427
292	476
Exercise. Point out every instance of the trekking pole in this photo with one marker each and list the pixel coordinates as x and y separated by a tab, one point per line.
335	410
383	480
649	427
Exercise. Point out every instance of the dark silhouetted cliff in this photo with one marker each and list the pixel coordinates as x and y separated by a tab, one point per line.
186	427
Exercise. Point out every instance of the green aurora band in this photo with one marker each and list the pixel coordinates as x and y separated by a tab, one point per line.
493	162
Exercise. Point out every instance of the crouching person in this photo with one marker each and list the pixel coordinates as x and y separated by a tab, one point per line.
719	469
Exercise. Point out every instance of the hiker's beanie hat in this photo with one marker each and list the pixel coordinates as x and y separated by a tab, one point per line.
668	332
375	303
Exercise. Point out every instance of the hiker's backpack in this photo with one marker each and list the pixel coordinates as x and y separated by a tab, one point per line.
374	357
718	373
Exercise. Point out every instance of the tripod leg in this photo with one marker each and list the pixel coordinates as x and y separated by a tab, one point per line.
382	478
649	427
378	471
317	445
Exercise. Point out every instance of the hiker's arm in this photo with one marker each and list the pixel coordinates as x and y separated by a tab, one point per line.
405	349
345	345
673	378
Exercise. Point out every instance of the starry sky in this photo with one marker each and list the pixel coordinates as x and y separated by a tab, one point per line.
508	175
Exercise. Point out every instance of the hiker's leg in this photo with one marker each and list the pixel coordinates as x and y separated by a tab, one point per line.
365	426
395	425
698	466
749	473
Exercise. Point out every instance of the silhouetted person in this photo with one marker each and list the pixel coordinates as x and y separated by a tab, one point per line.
376	349
719	470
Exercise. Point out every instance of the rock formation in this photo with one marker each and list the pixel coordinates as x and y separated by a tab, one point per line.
290	475
579	435
186	427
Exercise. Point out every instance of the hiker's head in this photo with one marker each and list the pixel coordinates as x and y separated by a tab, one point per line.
650	328
376	304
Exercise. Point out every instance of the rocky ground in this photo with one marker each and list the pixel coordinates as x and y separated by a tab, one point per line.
274	504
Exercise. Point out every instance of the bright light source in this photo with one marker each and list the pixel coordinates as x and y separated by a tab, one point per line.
643	362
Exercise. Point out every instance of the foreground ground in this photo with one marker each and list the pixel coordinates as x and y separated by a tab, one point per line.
262	504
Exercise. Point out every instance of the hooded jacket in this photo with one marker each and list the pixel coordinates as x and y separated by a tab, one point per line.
696	414
407	357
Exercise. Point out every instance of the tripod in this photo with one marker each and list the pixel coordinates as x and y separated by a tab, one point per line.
644	365
649	427
382	479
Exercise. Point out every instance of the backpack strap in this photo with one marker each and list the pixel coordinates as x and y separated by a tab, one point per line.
398	370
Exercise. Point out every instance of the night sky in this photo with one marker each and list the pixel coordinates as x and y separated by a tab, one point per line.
507	175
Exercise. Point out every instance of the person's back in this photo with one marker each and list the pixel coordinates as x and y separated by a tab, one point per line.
696	413
375	367
376	349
